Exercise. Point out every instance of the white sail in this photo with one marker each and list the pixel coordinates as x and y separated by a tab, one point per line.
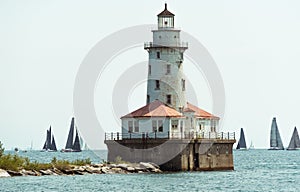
251	145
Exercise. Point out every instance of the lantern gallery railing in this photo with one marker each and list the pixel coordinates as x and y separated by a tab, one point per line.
178	45
170	135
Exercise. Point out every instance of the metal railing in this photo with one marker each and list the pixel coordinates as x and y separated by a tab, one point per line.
148	45
171	135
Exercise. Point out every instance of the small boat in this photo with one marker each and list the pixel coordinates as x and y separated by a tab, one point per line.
242	142
72	146
251	146
275	139
295	142
49	144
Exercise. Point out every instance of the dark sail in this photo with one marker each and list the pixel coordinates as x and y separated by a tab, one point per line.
49	145
76	146
53	144
69	144
295	142
275	139
48	139
45	145
242	141
238	146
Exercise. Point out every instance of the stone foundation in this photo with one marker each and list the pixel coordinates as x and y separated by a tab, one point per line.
175	154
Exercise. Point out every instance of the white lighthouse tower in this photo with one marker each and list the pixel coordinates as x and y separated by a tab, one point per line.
167	113
166	81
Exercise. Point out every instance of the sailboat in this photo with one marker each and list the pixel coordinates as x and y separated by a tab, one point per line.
295	142
251	145
72	146
49	144
242	142
275	139
83	144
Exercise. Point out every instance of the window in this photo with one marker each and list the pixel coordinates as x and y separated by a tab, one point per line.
158	55
149	69
213	125
136	127
148	99
174	125
168	69
160	126
157	125
157	84
130	126
169	99
183	84
181	56
154	125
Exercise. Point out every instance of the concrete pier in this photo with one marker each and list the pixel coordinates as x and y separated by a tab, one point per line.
196	154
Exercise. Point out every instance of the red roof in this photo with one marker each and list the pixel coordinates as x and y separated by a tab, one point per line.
199	112
154	109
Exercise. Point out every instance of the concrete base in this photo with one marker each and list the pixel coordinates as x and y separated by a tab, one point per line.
175	154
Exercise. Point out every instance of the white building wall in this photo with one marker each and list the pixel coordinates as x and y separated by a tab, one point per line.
186	126
172	55
145	127
166	37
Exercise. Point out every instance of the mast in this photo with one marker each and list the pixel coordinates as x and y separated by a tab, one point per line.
69	144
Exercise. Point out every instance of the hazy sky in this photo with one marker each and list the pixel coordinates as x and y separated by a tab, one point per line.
254	43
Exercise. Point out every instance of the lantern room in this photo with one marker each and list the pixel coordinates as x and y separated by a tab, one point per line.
165	19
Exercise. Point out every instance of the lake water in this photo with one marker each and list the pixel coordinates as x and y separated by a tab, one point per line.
255	170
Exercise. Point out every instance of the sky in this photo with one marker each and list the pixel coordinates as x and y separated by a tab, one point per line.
255	45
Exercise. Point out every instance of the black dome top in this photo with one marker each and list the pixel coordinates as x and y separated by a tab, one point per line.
166	12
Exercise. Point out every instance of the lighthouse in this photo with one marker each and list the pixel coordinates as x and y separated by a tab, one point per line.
166	81
168	130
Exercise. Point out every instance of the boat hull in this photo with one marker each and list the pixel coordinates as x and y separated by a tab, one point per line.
69	151
296	149
48	150
275	148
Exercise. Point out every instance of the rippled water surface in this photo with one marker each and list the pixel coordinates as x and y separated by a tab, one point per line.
255	170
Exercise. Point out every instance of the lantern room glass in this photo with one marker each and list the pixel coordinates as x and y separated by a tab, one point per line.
165	22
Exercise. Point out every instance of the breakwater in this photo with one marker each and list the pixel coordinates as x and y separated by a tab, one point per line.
101	168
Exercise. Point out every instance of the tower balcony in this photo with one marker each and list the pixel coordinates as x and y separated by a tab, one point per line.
151	45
